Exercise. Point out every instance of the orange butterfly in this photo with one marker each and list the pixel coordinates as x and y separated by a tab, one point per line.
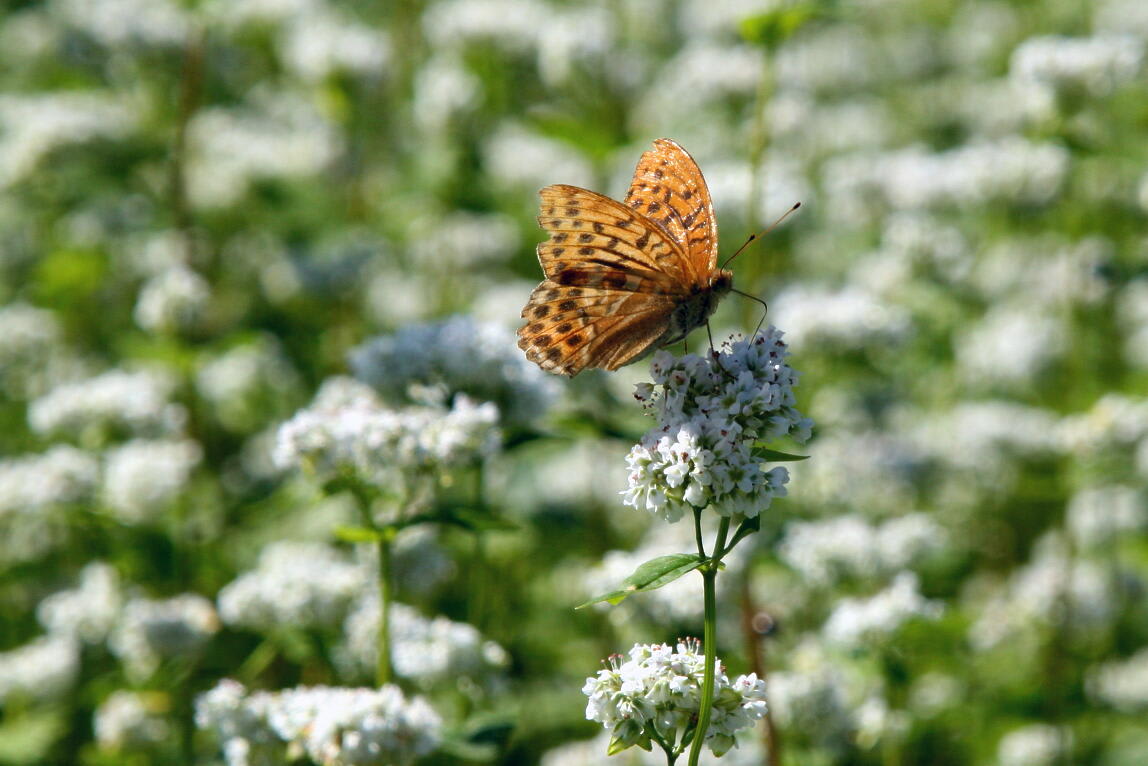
624	279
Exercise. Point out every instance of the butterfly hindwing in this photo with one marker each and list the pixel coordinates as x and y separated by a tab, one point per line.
571	328
669	189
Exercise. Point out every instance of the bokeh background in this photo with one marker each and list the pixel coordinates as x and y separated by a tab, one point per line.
207	209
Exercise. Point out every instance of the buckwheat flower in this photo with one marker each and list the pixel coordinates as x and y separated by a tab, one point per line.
1132	311
129	720
1121	684
809	697
347	430
248	385
173	300
711	414
29	338
153	630
240	721
658	689
357	727
319	43
518	158
276	135
32	126
117	401
1038	744
122	23
1098	517
1097	65
44	669
444	88
1051	586
304	584
61	476
511	25
88	612
144	476
855	622
850	318
426	651
843	547
1114	423
462	240
1011	345
875	722
457	355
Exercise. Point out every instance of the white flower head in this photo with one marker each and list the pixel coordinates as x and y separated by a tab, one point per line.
151	631
306	584
712	413
659	686
347	431
334	726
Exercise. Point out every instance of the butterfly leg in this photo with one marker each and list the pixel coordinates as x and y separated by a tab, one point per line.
713	352
764	313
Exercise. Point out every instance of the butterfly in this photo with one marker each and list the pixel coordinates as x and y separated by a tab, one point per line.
624	279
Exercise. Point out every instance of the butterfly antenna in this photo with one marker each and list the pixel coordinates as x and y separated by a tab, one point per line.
754	298
762	233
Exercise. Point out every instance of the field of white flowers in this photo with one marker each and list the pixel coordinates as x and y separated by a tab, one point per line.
261	263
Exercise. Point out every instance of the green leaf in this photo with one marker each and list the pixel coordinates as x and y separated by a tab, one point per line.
358	534
775	26
747	527
776	456
651	575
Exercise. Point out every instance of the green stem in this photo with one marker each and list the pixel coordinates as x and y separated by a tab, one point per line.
384	672
709	643
698	532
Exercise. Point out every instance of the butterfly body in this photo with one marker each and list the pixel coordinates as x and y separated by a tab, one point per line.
623	279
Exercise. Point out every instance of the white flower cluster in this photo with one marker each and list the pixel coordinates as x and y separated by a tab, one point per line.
426	651
1012	344
143	476
333	726
121	23
810	696
711	414
150	631
306	584
245	383
855	621
1097	65
458	355
659	689
44	669
1038	744
62	475
851	317
88	612
347	430
1122	684
129	720
319	43
1011	169
29	337
173	300
1051	585
137	402
275	135
1098	517
844	547
33	126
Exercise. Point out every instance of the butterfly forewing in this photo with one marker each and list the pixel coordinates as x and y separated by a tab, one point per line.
669	189
594	237
622	279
